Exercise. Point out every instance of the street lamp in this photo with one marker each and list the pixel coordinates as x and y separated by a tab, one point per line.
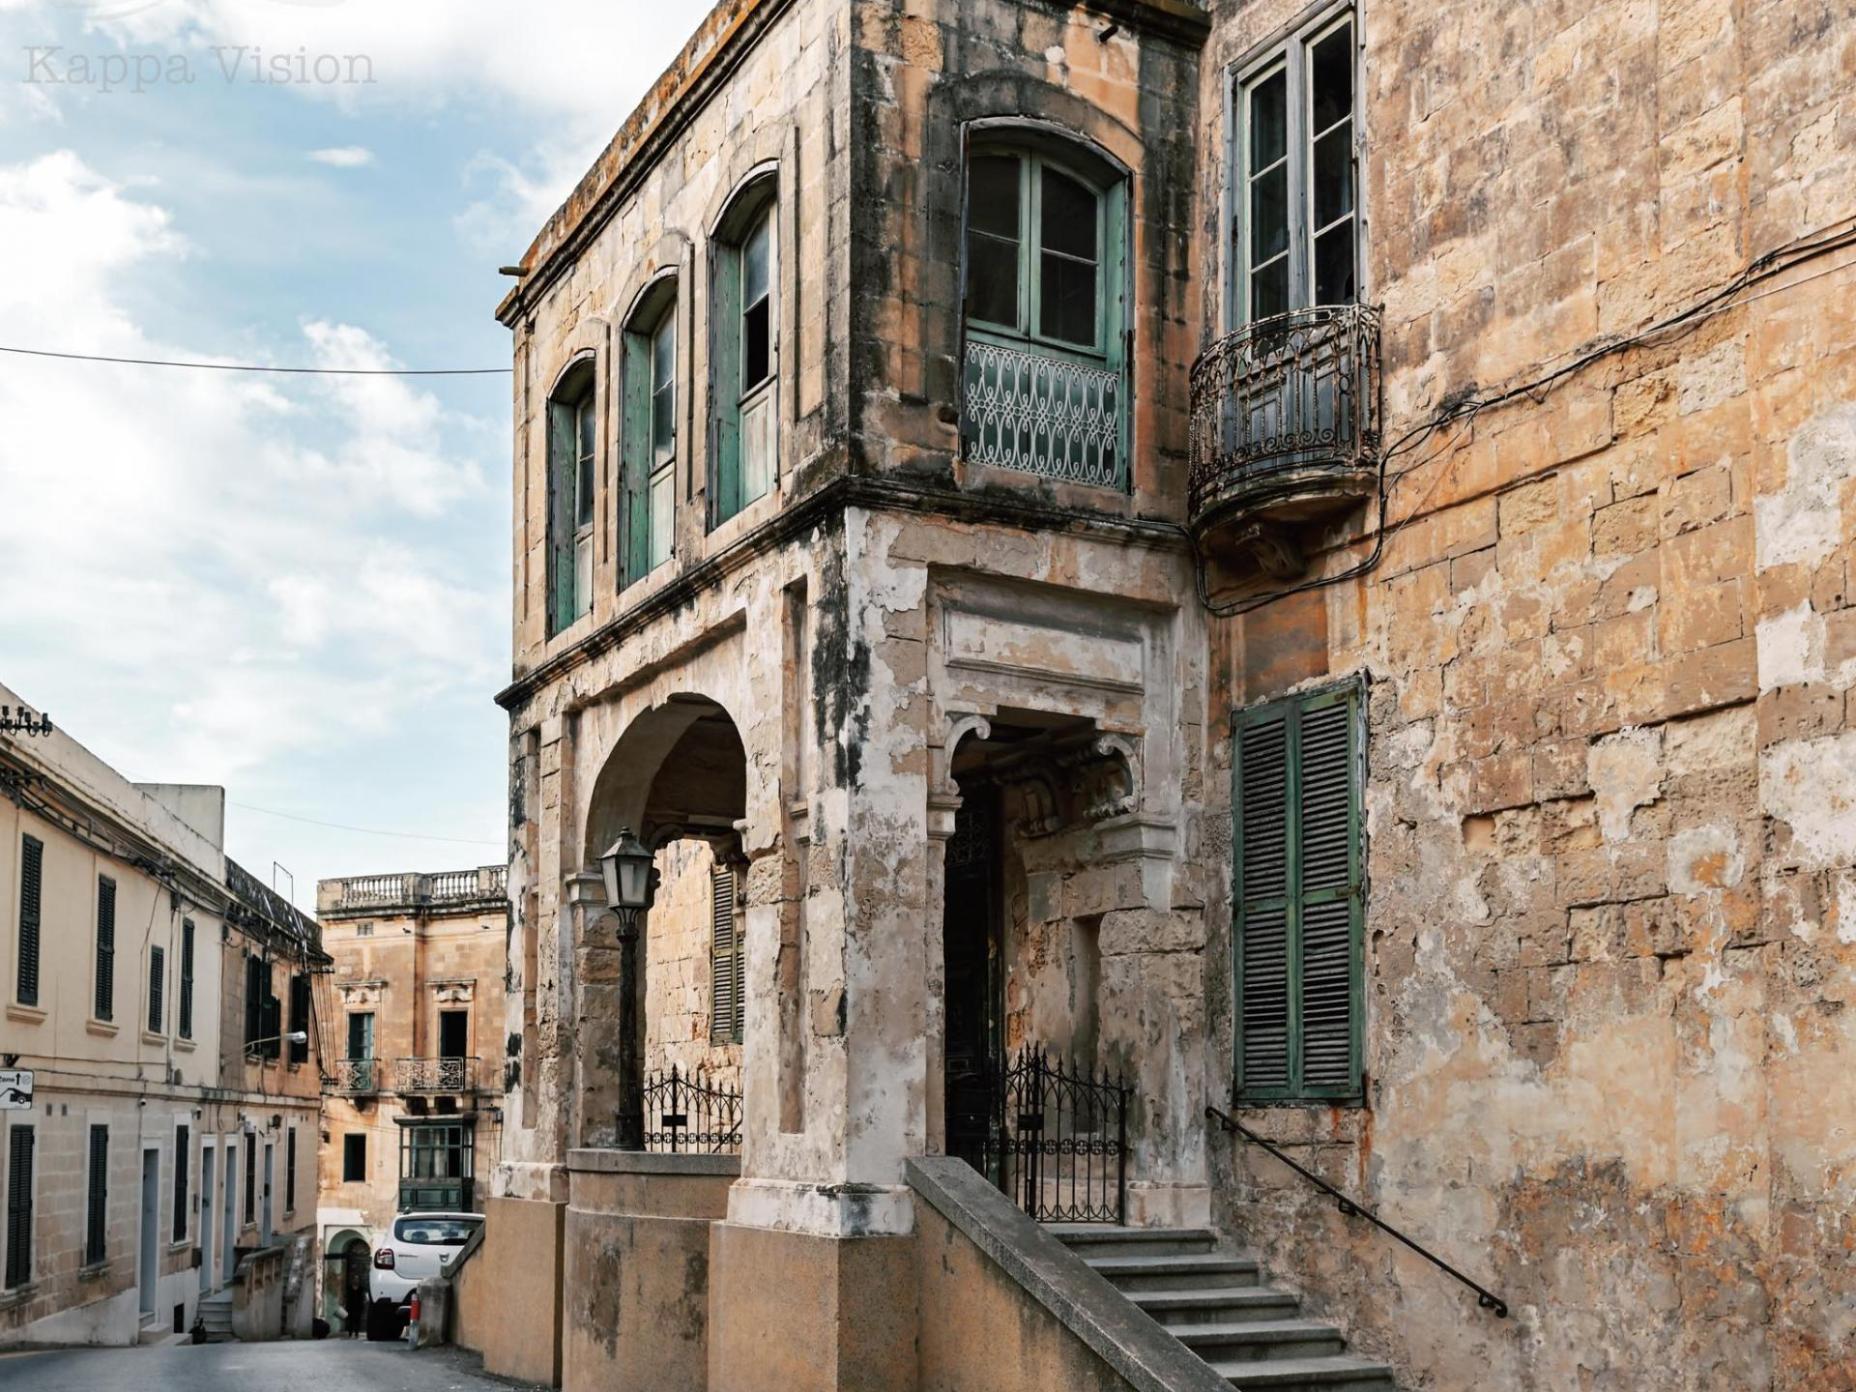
24	723
631	884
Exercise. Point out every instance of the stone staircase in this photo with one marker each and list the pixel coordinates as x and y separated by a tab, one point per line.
1216	1305
216	1314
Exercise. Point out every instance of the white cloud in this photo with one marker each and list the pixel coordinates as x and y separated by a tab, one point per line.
344	156
242	569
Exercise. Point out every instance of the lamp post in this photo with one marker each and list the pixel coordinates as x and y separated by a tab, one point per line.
631	884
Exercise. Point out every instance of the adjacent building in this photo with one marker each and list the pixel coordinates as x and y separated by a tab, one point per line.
415	1077
1147	569
162	1166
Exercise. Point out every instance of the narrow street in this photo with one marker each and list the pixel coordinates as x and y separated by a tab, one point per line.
244	1367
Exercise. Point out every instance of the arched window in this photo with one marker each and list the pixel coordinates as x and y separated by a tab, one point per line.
649	434
1044	380
745	350
573	435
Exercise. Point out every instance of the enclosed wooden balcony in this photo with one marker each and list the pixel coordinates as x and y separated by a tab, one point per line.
1285	432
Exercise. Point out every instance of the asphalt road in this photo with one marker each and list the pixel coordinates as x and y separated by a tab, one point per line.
351	1364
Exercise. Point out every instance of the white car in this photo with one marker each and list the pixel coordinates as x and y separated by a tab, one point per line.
419	1245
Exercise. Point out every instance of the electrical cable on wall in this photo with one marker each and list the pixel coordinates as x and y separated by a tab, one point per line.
1798	252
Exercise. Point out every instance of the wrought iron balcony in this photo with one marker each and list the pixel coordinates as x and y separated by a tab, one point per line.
357	1077
435	1074
1285	428
1041	411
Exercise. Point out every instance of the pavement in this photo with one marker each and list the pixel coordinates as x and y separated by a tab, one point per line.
333	1363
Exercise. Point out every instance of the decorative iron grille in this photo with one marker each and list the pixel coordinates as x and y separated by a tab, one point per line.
356	1075
691	1116
1041	414
1062	1140
1288	392
436	1074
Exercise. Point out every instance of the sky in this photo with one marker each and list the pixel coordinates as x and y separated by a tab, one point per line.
296	587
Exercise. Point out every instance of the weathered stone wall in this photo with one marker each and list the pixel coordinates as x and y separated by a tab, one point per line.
1611	808
678	999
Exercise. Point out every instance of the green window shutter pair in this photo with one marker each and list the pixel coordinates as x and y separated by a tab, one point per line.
563	465
1299	892
727	981
106	948
31	881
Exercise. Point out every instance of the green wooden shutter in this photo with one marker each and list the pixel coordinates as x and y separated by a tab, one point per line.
725	973
563	464
725	393
290	1172
157	982
106	948
20	1147
635	452
1300	896
183	1164
185	1007
31	882
97	1213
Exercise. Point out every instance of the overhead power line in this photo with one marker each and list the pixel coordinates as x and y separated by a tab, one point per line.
365	831
261	367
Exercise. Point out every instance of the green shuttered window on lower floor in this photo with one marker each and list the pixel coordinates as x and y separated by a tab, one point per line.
20	1147
1298	890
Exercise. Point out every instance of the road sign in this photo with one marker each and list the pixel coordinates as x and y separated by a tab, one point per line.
16	1090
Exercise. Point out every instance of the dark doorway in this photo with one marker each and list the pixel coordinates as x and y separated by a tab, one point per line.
975	980
453	1034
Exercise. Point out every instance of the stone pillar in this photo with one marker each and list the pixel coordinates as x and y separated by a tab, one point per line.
600	985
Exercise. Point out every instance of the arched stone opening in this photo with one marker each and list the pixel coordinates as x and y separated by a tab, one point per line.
677	778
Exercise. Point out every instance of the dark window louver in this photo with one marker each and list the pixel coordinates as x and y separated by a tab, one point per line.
185	1006
251	1180
157	985
106	948
290	1172
1300	884
97	1209
299	1017
726	975
31	882
21	1142
183	1166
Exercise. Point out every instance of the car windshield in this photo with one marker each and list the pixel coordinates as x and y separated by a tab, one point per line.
435	1232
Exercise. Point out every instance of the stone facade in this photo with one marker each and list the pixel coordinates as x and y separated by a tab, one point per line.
103	880
1598	625
424	956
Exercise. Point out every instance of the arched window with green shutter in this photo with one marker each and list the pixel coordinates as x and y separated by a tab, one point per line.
1298	891
648	434
573	439
1044	378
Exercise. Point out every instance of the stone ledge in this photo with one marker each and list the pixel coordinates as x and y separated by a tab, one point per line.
1136	1348
603	1161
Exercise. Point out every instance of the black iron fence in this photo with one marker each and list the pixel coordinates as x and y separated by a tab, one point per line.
691	1115
1061	1140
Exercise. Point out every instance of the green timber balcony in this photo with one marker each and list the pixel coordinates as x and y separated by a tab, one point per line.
1285	432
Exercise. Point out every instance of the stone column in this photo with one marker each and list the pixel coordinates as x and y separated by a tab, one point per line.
600	987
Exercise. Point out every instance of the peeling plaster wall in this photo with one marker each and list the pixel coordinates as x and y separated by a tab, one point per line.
1611	790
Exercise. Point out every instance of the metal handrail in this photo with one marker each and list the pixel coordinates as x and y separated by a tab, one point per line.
1485	1299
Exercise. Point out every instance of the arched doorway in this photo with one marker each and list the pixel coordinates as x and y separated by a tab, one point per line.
677	778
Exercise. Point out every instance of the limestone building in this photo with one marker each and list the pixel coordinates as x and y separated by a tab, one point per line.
415	1081
162	1167
1288	559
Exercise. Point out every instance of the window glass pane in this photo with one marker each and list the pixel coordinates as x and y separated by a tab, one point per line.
1269	215
664	422
1269	289
664	353
756	345
1269	121
1334	265
992	280
756	259
1330	65
1334	174
992	195
1068	220
584	493
1068	305
663	505
757	423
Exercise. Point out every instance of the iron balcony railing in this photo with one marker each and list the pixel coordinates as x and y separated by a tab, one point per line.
1043	412
1060	1142
357	1076
686	1115
1281	398
435	1074
1485	1298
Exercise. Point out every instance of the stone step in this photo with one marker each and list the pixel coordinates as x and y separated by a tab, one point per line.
1101	1240
1194	1271
1176	1309
1252	1340
1308	1374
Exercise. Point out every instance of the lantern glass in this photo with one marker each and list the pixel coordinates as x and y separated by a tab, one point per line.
626	868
